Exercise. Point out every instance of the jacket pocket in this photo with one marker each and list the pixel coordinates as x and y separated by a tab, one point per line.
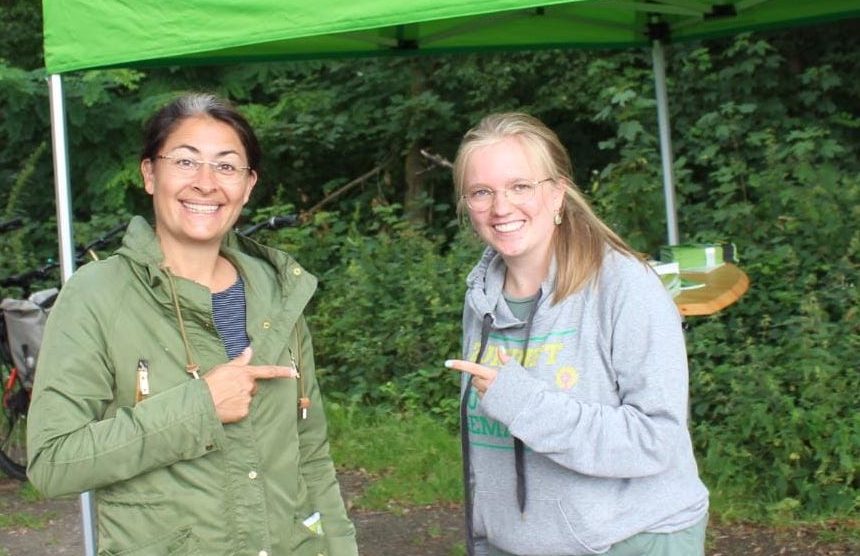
181	542
307	542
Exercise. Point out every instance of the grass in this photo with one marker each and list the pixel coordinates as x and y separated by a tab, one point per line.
28	493
840	531
414	460
26	520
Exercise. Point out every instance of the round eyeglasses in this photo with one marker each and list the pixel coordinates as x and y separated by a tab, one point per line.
225	172
480	198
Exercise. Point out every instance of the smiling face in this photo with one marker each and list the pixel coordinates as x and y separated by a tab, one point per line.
521	233
197	208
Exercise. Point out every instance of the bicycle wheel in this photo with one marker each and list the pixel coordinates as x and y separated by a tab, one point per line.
13	425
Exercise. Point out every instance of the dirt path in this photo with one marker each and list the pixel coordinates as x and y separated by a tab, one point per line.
54	527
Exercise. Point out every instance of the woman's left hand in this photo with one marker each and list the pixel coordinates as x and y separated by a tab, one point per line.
483	376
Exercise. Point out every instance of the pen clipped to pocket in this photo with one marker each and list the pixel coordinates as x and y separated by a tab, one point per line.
141	391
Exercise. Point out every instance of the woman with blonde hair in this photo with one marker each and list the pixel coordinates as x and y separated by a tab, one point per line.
574	408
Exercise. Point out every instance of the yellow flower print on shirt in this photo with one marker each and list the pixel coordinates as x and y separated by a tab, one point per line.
566	378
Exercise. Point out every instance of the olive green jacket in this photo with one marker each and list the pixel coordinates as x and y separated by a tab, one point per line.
168	477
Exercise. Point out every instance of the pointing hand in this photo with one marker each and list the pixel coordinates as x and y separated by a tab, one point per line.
233	384
482	376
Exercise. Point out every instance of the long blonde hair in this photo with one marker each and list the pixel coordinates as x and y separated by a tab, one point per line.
581	239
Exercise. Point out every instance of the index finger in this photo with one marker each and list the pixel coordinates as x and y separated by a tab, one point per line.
473	369
265	372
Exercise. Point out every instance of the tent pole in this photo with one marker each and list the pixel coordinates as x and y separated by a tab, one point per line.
61	176
62	194
659	62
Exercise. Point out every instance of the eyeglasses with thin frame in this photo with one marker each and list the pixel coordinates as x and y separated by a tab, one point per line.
225	172
481	198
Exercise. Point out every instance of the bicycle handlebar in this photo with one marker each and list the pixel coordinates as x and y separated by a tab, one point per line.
24	279
273	223
10	225
100	242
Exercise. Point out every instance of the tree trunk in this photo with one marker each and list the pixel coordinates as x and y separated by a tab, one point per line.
414	164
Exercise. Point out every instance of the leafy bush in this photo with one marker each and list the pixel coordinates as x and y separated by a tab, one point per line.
388	310
775	417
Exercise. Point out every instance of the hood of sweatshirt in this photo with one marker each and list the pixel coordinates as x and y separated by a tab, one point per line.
485	290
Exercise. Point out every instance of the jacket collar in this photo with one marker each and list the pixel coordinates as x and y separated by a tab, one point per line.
140	245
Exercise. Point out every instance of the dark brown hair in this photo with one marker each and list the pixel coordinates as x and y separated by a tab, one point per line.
163	122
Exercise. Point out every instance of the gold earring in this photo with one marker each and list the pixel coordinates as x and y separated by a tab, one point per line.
557	218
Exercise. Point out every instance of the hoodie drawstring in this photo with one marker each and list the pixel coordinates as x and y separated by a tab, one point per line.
519	447
464	439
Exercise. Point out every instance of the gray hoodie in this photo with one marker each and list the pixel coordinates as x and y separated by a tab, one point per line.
600	404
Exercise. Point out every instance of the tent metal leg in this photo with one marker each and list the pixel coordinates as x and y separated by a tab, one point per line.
62	193
88	523
659	62
61	176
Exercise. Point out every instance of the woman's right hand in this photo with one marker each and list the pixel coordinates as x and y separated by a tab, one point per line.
233	385
482	375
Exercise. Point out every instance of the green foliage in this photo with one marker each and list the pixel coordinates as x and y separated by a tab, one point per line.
629	189
23	103
388	310
21	33
775	418
773	407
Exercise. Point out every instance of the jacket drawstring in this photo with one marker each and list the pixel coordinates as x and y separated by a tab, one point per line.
191	367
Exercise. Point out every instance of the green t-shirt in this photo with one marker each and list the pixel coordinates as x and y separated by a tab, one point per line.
521	307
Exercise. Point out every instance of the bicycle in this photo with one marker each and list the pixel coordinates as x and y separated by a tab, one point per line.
20	336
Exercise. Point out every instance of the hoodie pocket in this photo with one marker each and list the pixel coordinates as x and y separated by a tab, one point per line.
543	529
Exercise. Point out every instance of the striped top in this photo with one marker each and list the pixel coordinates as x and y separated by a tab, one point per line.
228	311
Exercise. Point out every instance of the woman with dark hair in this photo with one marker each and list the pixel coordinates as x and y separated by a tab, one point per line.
176	378
574	409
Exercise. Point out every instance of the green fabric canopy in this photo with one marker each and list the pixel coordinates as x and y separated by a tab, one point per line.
86	34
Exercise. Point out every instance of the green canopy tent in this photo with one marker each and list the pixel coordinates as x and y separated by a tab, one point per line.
86	34
89	34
